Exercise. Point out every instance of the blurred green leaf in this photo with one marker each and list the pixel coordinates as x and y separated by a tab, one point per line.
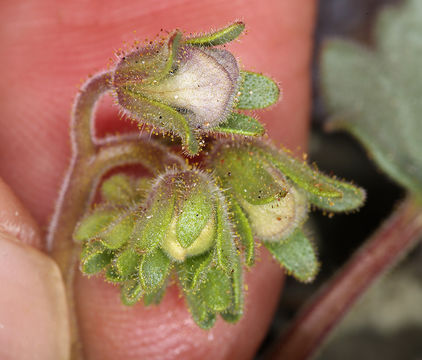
376	95
240	124
215	291
154	269
130	292
296	254
256	91
127	262
218	37
243	231
94	258
94	223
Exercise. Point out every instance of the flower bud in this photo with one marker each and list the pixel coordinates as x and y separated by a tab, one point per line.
177	87
191	229
274	207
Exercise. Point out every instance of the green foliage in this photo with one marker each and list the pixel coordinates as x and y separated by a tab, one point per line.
219	37
154	269
93	224
243	231
195	213
256	91
95	258
375	94
201	223
297	255
240	124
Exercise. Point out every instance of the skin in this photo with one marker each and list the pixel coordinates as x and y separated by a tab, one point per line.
48	48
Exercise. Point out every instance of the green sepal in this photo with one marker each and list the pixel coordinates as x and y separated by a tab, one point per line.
130	292
352	197
195	213
112	274
235	310
193	271
240	124
161	115
154	269
247	176
152	64
256	91
150	231
119	231
94	258
296	254
215	291
155	297
202	316
311	180
127	263
323	191
243	231
94	223
119	189
218	37
226	252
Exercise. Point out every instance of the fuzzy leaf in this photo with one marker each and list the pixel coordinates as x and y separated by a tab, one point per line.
147	65
118	189
154	269
240	124
376	94
93	224
226	251
95	258
130	292
235	311
201	314
195	214
155	297
215	291
219	37
150	232
246	176
352	197
193	271
256	91
311	180
119	231
127	262
243	231
297	255
159	115
112	275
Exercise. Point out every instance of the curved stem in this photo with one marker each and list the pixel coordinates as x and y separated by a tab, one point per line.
91	158
78	193
395	238
82	119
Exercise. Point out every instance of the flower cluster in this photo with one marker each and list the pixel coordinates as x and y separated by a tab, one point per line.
199	224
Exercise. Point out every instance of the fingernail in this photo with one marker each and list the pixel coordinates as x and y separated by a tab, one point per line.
33	310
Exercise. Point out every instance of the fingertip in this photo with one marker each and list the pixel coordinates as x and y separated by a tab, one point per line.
33	311
110	330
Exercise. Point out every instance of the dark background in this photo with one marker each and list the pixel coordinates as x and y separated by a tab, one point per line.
338	237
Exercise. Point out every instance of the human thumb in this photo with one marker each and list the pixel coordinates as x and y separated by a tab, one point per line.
33	310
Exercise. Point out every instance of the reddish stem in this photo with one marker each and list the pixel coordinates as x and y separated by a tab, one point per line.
394	238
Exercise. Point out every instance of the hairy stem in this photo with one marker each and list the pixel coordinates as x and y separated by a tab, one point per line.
394	239
91	159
